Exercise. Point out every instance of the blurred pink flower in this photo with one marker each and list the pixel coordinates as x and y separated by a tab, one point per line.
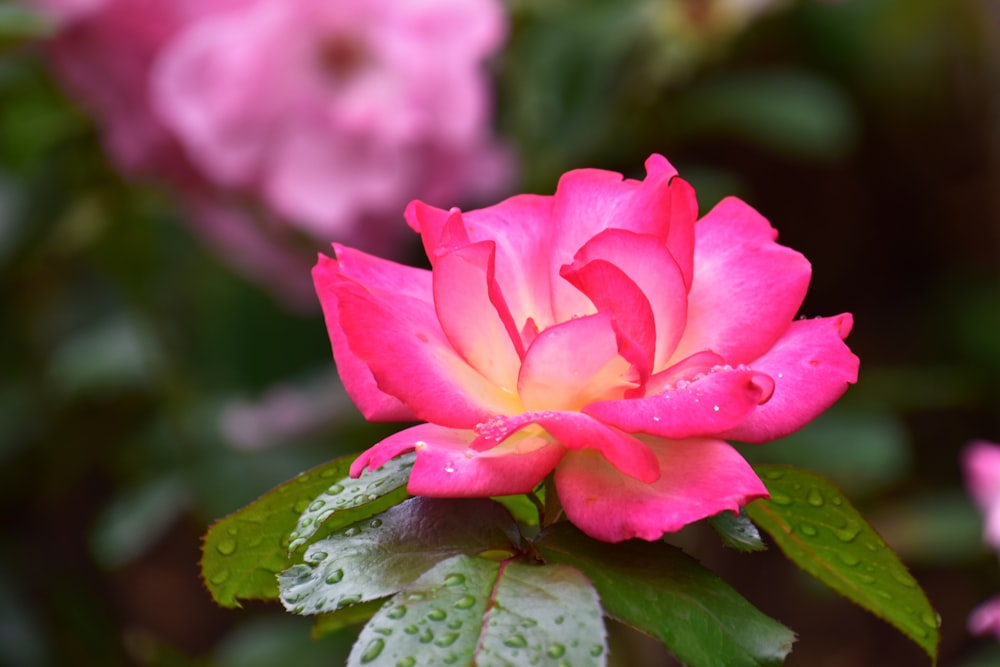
985	619
598	333
326	116
336	111
981	462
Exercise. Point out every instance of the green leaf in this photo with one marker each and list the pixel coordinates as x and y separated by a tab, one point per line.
819	530
384	486
737	531
375	558
470	611
17	23
660	590
243	552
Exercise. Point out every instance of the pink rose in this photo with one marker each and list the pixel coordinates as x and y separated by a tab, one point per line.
336	111
985	619
598	333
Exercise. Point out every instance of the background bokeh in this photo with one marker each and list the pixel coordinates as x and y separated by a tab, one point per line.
147	388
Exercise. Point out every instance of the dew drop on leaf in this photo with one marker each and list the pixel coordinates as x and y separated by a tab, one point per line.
515	641
334	490
408	661
808	530
815	498
454	579
597	650
375	523
774	474
849	533
447	640
781	499
220	577
317	557
437	615
411	629
397	613
373	650
226	547
317	505
556	650
465	602
335	577
848	559
426	637
932	621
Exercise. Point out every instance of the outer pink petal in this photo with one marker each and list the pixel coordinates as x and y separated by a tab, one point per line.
576	431
572	364
474	315
699	478
811	367
446	467
400	340
649	265
358	380
746	287
709	406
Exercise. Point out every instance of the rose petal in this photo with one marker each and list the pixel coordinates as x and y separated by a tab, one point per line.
474	315
746	287
985	619
811	367
576	431
411	359
708	406
981	465
358	380
446	467
647	263
699	478
572	364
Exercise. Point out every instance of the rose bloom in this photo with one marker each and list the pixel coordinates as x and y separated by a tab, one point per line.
603	334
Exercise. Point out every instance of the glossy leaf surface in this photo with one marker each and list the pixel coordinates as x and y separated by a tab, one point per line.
819	530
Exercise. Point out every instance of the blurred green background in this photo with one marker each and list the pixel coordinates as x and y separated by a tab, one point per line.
146	389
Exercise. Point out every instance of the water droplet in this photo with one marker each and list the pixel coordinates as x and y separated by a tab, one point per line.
559	620
773	474
350	599
837	501
556	650
316	557
715	407
465	602
317	505
808	530
866	578
373	650
372	496
426	637
327	474
375	523
449	467
416	597
447	640
781	499
529	623
904	580
385	632
226	547
233	531
455	625
932	621
596	650
848	533
352	531
815	498
408	661
515	641
411	629
301	506
883	594
397	613
335	576
848	559
454	579
220	577
437	615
